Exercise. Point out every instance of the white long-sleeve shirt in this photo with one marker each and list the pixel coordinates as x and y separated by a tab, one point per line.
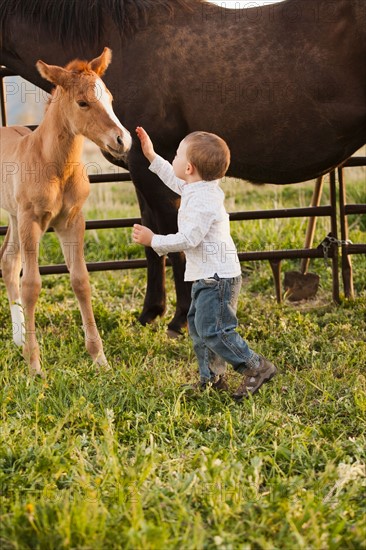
203	227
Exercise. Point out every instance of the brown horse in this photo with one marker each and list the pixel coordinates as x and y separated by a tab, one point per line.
44	184
283	84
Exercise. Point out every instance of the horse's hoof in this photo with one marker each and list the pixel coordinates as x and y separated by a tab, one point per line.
173	334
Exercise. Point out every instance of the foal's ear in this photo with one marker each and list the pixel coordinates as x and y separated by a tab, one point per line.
53	73
100	64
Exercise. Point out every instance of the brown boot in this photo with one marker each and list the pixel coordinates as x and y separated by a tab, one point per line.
253	378
220	384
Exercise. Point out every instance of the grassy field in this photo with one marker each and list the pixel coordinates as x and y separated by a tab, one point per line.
123	459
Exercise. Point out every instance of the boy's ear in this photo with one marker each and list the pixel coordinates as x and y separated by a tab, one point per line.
189	168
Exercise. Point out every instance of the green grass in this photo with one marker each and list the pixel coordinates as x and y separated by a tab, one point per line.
122	459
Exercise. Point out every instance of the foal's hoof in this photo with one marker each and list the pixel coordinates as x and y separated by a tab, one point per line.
101	362
37	373
103	367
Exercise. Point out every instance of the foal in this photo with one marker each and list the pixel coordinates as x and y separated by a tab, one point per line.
44	184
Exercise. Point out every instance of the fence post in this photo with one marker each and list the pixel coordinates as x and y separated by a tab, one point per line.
347	272
2	101
333	202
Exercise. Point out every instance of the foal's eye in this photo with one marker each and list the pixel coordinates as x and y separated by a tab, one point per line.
82	104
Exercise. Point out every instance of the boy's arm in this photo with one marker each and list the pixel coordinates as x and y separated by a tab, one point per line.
162	244
158	165
164	170
142	234
192	231
146	144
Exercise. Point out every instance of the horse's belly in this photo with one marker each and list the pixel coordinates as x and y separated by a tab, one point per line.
7	192
8	203
12	166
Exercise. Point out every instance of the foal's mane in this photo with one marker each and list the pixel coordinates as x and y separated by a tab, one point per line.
78	66
82	21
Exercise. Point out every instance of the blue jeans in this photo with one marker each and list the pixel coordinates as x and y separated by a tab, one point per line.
211	324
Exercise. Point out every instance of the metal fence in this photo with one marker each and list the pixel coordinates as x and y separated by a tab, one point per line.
337	211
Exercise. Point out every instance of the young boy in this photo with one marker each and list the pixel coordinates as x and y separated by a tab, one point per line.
212	262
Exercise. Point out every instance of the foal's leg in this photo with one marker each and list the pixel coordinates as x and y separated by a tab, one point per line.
30	234
72	241
11	265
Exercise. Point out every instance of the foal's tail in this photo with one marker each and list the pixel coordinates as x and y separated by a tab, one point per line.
3	246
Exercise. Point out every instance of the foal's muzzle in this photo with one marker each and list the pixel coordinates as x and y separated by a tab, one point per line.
121	145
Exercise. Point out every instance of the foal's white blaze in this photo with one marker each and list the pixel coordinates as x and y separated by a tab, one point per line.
18	321
105	99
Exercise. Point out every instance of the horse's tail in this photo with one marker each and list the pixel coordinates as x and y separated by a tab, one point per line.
4	245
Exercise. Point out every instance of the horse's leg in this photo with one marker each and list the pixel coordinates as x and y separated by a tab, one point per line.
183	292
159	208
166	218
71	237
11	265
30	233
155	295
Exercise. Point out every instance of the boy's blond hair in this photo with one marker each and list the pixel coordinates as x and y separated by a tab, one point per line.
209	154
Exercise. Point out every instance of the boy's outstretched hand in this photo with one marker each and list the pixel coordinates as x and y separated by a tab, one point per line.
142	235
146	143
